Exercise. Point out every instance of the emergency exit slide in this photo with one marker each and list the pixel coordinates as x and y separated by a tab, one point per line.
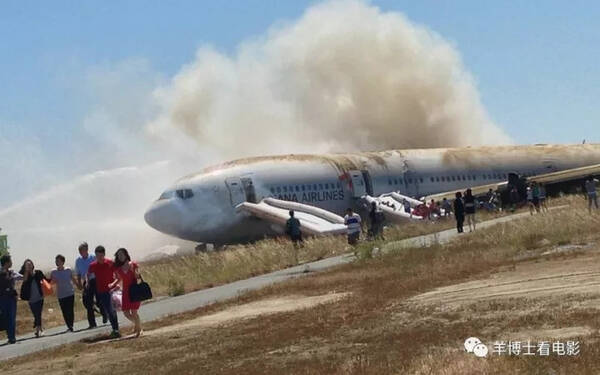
313	220
392	206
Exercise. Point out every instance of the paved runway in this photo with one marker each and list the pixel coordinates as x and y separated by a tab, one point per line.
173	305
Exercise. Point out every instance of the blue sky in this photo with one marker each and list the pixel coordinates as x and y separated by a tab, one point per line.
533	62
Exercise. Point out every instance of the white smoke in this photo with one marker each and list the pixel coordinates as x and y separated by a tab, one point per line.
345	76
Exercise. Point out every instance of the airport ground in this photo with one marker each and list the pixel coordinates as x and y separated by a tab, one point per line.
405	311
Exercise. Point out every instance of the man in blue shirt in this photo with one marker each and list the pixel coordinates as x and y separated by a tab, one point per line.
89	288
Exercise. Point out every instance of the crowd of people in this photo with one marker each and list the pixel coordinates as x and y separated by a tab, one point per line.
97	277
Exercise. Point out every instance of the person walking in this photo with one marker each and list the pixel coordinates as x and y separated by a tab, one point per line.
31	291
292	228
530	200
127	273
592	195
376	219
535	192
353	221
470	209
63	278
459	212
8	296
87	285
447	206
543	205
103	271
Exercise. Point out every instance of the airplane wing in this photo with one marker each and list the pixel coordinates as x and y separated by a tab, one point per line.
568	176
313	220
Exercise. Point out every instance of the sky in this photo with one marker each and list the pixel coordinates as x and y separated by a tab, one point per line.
78	78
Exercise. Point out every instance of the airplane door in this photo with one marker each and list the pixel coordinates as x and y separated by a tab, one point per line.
359	188
236	190
411	184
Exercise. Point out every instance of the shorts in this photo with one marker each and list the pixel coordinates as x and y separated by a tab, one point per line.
353	238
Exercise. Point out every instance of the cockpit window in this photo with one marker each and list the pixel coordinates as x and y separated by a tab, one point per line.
185	193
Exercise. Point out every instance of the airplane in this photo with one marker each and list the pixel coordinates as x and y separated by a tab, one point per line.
248	199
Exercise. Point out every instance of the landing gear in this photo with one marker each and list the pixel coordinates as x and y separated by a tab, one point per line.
208	247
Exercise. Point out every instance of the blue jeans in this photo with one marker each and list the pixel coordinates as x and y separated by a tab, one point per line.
106	304
8	305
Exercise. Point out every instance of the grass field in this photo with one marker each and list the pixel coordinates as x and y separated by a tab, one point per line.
380	325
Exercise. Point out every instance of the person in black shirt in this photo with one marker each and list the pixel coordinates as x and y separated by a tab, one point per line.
470	209
459	212
8	297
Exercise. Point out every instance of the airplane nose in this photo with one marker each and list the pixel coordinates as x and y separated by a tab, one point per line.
165	216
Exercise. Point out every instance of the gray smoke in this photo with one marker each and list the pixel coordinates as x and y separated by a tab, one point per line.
345	76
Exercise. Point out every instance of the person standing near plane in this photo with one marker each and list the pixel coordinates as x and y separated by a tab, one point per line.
470	209
292	228
459	212
353	222
8	297
103	270
406	205
447	207
127	273
376	221
87	283
543	205
31	291
64	279
590	188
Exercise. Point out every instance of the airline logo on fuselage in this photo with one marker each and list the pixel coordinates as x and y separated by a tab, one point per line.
312	196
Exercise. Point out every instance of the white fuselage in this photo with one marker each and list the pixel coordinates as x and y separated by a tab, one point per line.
201	207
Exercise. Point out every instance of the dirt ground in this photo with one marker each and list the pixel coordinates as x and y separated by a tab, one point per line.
403	313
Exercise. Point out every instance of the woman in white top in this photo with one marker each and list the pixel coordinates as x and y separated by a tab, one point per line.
63	278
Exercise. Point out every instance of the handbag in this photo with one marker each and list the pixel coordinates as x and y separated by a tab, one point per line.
140	291
47	288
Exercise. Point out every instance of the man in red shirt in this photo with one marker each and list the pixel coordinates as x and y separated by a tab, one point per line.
103	271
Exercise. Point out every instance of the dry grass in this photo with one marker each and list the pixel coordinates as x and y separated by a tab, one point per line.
373	331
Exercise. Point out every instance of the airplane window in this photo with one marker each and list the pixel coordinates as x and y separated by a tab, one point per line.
474	177
272	190
453	178
421	180
463	178
410	180
303	187
315	187
395	182
291	189
401	181
320	186
185	193
432	180
339	186
389	182
468	177
278	189
285	189
443	179
297	188
489	176
437	179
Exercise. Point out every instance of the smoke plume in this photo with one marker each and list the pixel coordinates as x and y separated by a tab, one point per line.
345	76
